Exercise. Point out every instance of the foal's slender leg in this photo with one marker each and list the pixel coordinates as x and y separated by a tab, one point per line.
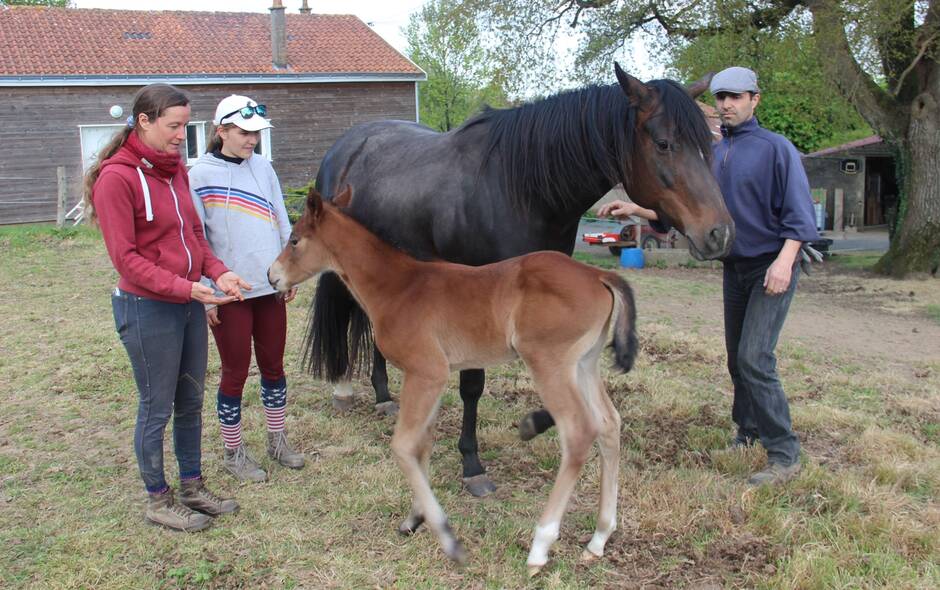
474	475
415	518
384	404
410	444
609	443
577	429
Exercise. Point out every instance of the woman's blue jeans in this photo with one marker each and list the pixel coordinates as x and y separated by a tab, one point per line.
168	347
753	320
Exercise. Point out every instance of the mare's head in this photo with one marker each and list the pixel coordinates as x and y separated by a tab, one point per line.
670	169
305	254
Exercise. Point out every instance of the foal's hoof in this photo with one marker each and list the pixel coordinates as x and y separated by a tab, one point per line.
527	429
534	570
588	556
456	552
410	525
389	408
343	403
479	486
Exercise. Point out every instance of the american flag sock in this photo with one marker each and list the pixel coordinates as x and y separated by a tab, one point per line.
229	408
274	398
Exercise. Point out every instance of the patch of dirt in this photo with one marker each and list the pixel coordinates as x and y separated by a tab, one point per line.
835	312
653	561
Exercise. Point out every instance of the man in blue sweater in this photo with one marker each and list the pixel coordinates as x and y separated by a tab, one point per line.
767	193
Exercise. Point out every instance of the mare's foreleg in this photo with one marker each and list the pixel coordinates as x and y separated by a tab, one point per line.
384	404
475	478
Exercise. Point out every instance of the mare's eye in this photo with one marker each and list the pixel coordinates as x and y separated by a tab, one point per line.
662	145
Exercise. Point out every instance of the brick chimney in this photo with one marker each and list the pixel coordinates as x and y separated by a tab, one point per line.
278	35
305	9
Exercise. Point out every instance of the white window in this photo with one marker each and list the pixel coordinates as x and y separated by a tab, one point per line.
93	138
195	143
264	144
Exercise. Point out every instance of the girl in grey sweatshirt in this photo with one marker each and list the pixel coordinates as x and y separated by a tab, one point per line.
238	196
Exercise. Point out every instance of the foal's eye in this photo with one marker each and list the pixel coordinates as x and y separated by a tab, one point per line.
662	145
293	241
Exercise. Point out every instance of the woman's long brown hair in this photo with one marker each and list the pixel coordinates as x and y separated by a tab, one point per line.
151	100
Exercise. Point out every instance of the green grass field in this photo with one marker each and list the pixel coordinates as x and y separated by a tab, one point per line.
864	514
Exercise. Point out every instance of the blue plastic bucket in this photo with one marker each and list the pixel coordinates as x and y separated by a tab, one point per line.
632	258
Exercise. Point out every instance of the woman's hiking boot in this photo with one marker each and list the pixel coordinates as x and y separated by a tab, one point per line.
280	450
239	463
195	495
163	510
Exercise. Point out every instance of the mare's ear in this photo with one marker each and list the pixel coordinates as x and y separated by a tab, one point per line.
314	203
636	91
344	198
695	89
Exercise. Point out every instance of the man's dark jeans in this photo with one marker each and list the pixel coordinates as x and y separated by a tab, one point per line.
168	347
753	320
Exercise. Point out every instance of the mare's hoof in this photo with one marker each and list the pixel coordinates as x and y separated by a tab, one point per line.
389	408
479	486
342	403
527	430
534	570
587	556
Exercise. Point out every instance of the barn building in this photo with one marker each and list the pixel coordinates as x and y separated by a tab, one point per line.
68	76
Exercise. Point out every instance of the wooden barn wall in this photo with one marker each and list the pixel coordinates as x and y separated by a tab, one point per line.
39	129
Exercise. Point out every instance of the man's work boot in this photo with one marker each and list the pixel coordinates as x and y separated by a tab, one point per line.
775	474
195	495
163	510
280	450
239	463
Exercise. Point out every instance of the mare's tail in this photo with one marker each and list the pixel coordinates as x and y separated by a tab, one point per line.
625	343
338	340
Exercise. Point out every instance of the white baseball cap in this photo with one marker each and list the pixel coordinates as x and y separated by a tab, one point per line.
243	112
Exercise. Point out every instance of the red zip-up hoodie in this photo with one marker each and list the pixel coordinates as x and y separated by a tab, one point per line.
158	248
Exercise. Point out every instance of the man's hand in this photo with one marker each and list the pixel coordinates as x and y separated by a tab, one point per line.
777	278
618	209
231	284
204	294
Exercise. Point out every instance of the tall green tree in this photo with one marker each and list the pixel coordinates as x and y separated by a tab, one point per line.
447	46
883	56
798	100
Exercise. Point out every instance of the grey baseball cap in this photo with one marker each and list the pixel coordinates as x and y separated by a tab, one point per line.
737	80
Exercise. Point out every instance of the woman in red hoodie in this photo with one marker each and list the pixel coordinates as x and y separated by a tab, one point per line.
138	192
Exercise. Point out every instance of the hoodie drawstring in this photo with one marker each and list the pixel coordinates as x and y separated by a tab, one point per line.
148	207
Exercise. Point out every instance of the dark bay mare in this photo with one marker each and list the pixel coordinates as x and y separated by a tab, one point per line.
505	183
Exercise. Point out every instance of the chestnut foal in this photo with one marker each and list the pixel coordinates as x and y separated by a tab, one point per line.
431	318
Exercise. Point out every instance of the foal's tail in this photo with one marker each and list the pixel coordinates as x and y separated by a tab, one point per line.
624	321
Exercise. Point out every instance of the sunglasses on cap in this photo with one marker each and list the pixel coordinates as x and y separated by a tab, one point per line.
247	112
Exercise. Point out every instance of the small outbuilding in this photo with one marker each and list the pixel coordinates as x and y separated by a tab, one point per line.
68	76
856	182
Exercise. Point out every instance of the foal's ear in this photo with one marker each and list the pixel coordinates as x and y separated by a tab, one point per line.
636	91
695	89
314	202
344	198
